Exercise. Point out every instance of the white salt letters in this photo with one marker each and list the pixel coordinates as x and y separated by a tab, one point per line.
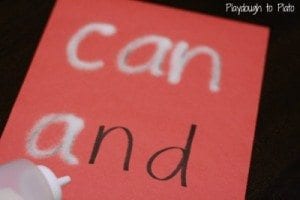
179	59
72	47
181	56
163	45
74	126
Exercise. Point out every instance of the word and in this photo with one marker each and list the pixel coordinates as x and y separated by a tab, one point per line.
74	126
180	55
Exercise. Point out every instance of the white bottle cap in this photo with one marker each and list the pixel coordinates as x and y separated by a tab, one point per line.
54	183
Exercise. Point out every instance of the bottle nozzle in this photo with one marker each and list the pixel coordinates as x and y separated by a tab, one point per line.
54	183
64	180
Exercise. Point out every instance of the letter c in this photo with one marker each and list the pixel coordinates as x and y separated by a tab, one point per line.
72	46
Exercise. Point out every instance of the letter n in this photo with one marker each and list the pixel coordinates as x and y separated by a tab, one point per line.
100	137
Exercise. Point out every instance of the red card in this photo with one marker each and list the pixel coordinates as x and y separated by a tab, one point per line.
138	101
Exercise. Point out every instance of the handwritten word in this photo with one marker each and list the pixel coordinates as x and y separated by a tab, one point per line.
180	56
254	9
281	7
75	125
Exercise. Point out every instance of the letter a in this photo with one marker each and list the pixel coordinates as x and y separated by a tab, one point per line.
163	44
74	126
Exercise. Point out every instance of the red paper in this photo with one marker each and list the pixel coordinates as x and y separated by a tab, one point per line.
216	99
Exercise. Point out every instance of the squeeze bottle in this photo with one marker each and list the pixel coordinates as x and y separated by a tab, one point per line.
23	180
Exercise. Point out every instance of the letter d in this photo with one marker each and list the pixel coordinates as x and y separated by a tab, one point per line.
182	165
